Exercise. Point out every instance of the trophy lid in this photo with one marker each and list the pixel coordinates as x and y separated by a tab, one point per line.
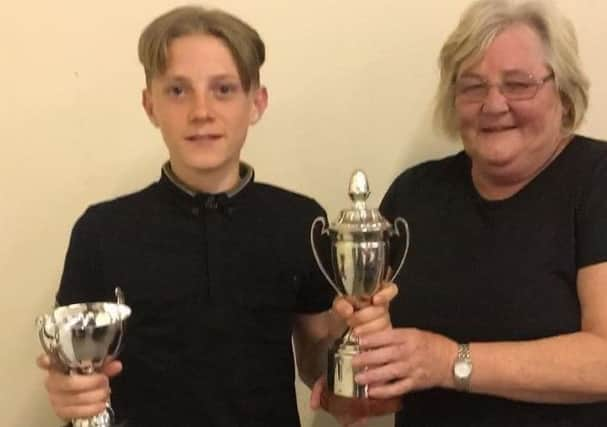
359	218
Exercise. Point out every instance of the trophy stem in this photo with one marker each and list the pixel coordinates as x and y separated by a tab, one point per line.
349	338
86	370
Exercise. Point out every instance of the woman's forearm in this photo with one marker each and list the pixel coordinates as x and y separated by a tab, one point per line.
568	368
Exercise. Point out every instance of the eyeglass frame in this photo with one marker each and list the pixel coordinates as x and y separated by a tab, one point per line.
535	83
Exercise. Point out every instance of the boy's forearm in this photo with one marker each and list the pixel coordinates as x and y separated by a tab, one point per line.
312	341
313	362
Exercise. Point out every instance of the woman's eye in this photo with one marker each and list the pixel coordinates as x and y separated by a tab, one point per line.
517	85
475	87
471	87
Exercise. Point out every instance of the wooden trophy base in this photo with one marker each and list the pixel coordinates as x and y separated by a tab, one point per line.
356	408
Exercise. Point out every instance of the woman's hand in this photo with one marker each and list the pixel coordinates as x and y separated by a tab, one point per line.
400	360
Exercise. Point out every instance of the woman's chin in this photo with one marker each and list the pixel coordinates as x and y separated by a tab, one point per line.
497	158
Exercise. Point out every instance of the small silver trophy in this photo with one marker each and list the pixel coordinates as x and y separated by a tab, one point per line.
360	255
80	338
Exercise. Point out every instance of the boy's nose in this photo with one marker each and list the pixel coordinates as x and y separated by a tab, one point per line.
201	108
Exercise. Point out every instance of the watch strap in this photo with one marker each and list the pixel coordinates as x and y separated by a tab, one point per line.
462	383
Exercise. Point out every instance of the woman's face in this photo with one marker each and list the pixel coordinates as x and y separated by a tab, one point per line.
509	140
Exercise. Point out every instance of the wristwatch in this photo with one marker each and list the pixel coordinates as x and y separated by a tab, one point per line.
462	368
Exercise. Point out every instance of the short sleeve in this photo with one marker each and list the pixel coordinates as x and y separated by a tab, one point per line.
386	207
389	208
81	277
315	293
591	238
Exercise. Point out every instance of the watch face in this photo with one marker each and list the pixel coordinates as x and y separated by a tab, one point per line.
462	369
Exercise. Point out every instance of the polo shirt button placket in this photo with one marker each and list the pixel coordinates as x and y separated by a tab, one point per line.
210	203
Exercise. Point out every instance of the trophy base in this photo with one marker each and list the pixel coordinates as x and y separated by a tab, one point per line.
352	409
341	373
104	419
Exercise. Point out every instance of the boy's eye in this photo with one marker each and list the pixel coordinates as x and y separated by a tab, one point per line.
225	89
175	90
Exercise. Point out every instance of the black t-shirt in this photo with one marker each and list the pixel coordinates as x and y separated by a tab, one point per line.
213	282
504	270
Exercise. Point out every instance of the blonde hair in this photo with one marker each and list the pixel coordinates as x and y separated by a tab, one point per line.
478	27
244	43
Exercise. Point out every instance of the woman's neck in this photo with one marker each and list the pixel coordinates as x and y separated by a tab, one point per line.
499	187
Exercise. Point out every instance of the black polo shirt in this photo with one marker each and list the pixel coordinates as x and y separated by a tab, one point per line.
499	270
214	282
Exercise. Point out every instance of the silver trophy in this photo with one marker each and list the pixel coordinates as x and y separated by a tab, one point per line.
360	254
80	338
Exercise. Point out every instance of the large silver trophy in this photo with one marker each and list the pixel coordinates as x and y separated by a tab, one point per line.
80	338
360	254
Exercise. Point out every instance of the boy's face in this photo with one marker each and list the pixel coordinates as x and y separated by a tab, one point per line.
201	107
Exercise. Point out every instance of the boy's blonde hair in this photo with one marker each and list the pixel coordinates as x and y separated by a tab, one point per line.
245	44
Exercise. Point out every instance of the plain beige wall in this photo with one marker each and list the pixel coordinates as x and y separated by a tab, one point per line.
350	85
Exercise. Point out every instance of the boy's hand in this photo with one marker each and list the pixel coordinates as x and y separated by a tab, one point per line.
344	415
77	396
372	318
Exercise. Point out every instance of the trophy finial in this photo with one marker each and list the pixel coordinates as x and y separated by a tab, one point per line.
359	187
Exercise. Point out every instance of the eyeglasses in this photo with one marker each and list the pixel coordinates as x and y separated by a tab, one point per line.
514	87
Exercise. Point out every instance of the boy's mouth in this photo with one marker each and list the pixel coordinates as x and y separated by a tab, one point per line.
205	137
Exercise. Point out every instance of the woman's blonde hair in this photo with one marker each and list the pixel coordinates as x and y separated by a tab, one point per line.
477	28
244	43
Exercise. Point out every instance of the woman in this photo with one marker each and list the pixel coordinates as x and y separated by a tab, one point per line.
502	314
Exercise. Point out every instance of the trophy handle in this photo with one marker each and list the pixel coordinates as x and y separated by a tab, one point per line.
324	230
43	336
403	221
119	295
49	342
110	411
120	301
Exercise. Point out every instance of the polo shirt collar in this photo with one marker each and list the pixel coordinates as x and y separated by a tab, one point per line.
246	174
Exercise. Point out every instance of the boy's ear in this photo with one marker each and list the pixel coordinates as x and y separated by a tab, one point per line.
148	105
260	103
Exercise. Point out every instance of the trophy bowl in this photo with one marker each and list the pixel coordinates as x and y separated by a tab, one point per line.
81	338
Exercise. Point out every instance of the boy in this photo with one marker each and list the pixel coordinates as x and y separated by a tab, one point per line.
217	268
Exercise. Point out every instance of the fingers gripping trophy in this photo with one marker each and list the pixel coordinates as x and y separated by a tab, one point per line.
79	338
360	256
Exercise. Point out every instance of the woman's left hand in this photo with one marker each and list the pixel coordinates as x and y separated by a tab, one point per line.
400	360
